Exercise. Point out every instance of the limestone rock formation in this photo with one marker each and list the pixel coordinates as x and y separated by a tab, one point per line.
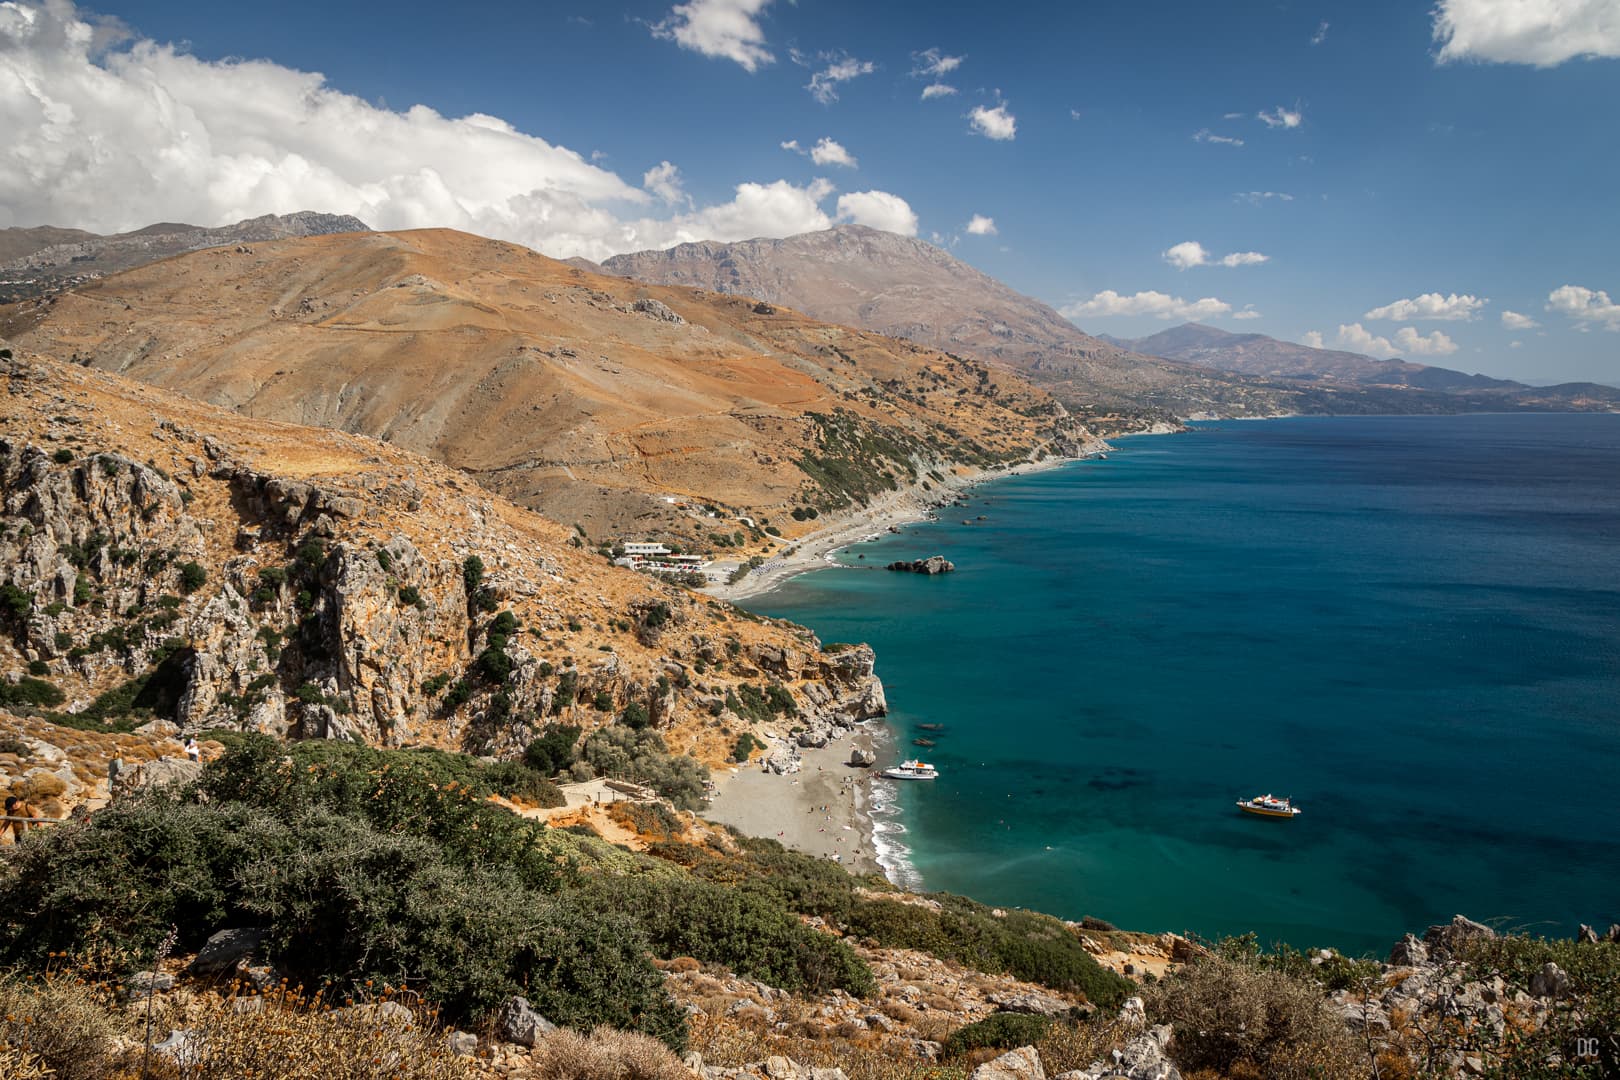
934	564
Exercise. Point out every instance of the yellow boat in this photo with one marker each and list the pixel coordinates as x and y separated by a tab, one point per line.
1269	806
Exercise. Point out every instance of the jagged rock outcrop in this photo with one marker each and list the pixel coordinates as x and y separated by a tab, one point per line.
1143	1058
934	564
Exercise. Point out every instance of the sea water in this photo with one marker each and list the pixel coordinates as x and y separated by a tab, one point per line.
1411	626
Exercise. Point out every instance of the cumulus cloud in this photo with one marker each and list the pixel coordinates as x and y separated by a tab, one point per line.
993	123
981	226
1585	306
113	139
1204	135
1248	312
793	145
1408	342
1544	33
840	69
878	209
1281	117
1159	305
828	152
1512	320
728	29
1312	338
664	181
1260	198
931	64
937	90
1321	33
1433	306
1190	253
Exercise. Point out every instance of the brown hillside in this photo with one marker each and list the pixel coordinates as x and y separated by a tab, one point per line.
589	398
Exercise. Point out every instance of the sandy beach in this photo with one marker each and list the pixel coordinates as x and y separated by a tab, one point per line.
822	809
814	550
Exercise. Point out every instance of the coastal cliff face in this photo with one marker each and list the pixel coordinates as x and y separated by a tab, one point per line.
165	556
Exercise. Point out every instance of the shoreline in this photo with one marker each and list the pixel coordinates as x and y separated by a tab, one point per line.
825	809
816	550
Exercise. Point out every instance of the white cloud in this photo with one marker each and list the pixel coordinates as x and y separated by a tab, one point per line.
1281	117
1434	306
1415	344
664	181
1585	305
936	90
793	145
1190	253
1259	198
828	152
1234	116
1312	338
1204	135
931	64
1248	312
1408	342
880	210
823	85
724	28
1158	304
1544	33
981	226
178	138
1186	255
1512	320
1321	33
993	123
1515	344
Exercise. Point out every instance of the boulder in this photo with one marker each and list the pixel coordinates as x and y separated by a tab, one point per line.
1409	952
1020	1064
658	310
1549	982
521	1024
224	950
812	740
1031	1002
141	983
862	759
1446	941
1587	935
1143	1058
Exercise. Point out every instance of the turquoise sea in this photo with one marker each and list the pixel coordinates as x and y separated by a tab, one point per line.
1409	625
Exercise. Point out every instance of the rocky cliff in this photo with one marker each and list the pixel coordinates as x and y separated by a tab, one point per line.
162	557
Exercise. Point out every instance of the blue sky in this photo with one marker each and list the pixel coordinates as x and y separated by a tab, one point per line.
1436	198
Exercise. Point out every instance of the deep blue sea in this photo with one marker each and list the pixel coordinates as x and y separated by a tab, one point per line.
1409	625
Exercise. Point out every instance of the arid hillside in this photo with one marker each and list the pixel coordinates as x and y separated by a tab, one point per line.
163	558
624	408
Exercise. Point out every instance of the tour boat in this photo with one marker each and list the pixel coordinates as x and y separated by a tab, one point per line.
1269	806
911	770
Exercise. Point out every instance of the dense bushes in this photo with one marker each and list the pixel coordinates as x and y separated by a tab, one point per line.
30	691
1034	947
642	757
552	750
998	1031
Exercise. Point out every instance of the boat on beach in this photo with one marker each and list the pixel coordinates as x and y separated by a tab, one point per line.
1269	806
911	770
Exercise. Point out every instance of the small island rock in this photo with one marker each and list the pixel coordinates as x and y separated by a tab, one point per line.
934	564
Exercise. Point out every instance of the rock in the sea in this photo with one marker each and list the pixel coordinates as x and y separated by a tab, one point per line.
1020	1064
522	1025
934	564
224	950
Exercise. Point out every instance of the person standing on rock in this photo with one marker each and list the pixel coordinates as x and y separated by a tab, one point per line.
17	808
193	751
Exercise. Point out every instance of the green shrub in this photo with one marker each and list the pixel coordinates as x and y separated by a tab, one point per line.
643	757
516	780
745	746
192	577
998	1031
30	691
411	596
635	716
62	456
17	602
552	750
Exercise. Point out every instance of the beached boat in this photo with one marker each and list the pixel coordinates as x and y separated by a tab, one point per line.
911	770
1269	806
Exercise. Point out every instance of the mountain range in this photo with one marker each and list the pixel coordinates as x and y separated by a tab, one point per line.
911	288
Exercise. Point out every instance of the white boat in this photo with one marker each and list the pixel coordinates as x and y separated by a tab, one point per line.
1269	806
911	770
